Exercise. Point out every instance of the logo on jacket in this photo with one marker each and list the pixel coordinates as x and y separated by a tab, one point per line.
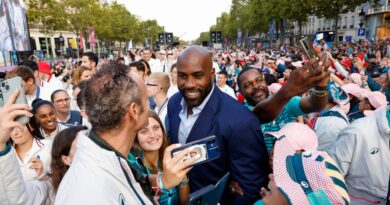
121	199
374	150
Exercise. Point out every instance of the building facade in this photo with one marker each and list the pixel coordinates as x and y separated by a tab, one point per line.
375	23
54	47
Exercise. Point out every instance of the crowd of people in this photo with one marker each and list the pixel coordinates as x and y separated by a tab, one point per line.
291	130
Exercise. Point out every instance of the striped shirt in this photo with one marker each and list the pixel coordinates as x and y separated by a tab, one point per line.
288	114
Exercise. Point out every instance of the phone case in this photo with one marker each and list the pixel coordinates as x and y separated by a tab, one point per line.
7	88
308	48
208	146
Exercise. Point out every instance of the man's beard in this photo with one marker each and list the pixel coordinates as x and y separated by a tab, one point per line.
203	94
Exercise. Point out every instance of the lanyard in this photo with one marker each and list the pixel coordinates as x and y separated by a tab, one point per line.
162	107
128	180
37	91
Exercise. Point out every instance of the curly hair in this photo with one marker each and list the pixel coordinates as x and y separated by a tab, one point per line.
108	95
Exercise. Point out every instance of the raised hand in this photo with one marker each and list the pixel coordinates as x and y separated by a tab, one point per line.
37	165
8	113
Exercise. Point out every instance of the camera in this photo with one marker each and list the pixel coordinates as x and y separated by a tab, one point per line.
66	78
5	86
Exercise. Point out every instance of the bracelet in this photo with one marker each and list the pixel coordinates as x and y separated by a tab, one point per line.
160	183
184	182
318	93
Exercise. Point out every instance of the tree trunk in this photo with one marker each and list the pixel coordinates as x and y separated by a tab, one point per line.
282	29
300	28
77	44
336	24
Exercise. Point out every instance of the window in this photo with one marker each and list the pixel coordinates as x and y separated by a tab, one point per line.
345	21
352	22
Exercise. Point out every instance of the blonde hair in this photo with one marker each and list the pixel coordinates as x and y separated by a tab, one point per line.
162	79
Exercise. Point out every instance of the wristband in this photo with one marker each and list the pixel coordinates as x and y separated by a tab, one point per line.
160	183
6	150
184	182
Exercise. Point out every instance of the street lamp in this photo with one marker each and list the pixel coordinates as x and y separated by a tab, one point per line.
61	43
362	15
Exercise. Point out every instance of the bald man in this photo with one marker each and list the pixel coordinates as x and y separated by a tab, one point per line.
200	110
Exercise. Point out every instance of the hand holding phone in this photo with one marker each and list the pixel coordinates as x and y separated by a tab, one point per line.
8	112
7	88
175	169
207	148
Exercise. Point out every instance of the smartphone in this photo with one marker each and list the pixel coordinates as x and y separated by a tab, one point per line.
207	148
7	88
309	49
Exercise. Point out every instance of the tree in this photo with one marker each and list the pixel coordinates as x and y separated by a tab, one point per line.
299	11
331	9
81	14
204	36
48	15
148	29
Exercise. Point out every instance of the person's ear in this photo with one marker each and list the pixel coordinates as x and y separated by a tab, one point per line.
66	160
212	72
133	111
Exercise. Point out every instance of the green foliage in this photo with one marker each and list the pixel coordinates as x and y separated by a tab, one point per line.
255	16
48	14
112	21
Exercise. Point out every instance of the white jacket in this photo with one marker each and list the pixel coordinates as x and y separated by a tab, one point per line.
97	177
363	154
41	148
14	190
328	128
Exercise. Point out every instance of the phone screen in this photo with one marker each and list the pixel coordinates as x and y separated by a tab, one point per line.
207	148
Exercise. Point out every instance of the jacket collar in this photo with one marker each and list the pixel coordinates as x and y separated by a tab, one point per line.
103	144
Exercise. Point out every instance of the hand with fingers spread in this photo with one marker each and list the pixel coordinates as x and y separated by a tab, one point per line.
174	168
8	114
37	165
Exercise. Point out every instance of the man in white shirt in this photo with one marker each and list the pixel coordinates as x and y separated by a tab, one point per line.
221	83
155	65
157	87
48	83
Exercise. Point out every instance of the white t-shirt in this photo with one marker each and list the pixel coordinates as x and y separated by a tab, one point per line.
228	90
172	90
155	65
47	88
40	149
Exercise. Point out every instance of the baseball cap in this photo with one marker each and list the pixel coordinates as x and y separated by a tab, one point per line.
304	175
44	67
377	100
